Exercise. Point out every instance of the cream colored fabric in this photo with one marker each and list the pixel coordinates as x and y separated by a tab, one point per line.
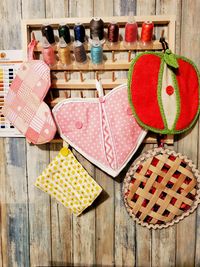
66	180
168	101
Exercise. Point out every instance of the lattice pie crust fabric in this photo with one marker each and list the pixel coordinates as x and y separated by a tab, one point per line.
66	180
161	188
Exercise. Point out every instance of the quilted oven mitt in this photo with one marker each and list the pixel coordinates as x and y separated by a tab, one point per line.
24	106
66	180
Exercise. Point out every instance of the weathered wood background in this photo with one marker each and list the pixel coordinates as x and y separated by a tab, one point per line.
34	229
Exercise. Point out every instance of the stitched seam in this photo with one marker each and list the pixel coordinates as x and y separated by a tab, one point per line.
159	91
178	101
110	136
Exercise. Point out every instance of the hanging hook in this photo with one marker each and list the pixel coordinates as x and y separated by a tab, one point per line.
161	140
163	42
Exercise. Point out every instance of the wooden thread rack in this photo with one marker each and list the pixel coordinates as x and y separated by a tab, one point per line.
112	72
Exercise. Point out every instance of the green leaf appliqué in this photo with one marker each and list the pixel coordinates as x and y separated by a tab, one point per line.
170	59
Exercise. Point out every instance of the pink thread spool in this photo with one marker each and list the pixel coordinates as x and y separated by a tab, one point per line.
48	53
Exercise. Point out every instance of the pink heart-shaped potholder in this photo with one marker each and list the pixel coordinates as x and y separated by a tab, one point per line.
102	129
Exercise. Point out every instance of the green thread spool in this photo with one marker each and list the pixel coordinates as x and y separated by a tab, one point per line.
96	53
64	32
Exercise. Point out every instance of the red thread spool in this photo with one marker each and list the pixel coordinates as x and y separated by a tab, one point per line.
113	32
131	32
147	32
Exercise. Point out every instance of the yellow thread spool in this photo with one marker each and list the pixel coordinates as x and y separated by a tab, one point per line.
64	53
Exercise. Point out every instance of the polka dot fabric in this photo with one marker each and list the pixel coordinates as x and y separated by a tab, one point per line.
103	130
67	181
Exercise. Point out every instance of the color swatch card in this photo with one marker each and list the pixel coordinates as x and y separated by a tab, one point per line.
10	61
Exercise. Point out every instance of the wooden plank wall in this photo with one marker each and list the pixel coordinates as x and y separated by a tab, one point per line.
34	229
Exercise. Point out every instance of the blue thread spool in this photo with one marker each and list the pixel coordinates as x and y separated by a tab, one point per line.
96	53
79	32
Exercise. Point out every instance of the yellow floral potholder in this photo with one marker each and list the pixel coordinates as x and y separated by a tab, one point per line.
66	180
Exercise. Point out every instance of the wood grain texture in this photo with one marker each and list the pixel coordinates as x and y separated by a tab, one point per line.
37	231
13	178
37	161
83	226
164	239
3	205
105	224
144	236
61	226
188	144
39	208
125	230
57	9
61	219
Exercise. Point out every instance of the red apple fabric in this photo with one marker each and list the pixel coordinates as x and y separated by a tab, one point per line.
163	91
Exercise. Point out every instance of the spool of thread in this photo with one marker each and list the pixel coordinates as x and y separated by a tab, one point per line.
79	32
48	53
113	32
131	32
47	31
79	52
64	52
64	32
147	32
96	53
97	28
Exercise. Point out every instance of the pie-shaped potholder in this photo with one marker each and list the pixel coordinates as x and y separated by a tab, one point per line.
161	188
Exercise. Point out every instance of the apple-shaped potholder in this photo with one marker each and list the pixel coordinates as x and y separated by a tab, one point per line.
163	91
102	129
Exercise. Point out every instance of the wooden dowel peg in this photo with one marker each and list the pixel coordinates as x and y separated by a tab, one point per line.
51	95
65	76
97	75
113	76
96	94
81	93
66	94
113	56
81	76
129	56
53	75
32	36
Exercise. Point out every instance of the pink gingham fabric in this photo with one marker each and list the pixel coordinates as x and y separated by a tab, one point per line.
24	106
101	129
